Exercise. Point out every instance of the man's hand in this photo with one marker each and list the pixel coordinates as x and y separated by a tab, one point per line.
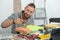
23	30
7	23
18	21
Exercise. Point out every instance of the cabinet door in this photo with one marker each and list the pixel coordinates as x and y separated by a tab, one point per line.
39	3
39	22
40	13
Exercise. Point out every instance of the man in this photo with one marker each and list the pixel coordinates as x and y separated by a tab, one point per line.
19	19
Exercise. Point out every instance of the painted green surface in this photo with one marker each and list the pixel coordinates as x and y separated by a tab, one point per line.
35	28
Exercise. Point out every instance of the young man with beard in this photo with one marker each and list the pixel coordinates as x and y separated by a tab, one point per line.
19	19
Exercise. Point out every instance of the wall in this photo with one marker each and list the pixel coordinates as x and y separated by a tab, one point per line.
6	9
24	3
52	9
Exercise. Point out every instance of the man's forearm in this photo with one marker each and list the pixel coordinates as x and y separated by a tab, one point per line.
7	23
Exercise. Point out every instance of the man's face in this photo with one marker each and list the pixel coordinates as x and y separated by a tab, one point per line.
29	11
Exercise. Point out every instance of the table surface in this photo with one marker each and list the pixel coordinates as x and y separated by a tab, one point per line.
10	36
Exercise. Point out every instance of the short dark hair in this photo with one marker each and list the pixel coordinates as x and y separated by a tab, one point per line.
32	5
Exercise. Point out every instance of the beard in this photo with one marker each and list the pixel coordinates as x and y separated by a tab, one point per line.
26	15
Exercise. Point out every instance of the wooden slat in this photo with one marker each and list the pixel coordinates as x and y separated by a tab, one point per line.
17	6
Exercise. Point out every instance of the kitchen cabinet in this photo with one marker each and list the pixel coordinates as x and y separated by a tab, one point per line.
40	12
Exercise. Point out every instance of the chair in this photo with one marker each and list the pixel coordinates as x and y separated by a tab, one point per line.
55	33
54	20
